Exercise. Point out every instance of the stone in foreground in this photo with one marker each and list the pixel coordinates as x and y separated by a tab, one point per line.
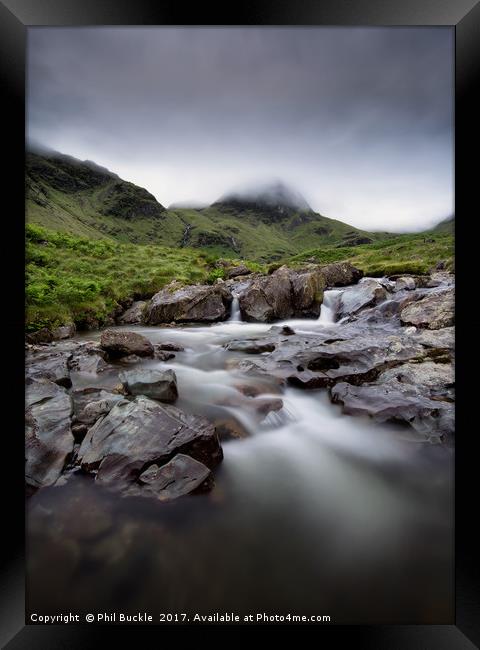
181	476
49	440
118	343
156	384
138	433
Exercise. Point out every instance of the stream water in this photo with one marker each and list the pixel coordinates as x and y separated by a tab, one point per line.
313	512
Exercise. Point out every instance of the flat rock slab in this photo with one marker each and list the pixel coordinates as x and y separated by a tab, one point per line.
181	476
141	432
89	404
49	440
118	343
157	384
398	402
432	312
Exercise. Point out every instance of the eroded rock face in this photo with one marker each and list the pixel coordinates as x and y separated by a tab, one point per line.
399	396
118	343
156	384
181	476
133	314
365	294
90	403
432	312
138	433
340	274
198	303
283	294
49	440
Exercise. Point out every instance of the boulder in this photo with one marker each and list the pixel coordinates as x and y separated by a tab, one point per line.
250	346
39	337
133	314
340	274
119	343
432	312
138	433
197	303
49	440
283	294
239	270
87	357
406	283
64	332
394	400
169	346
89	404
365	294
48	363
156	384
181	476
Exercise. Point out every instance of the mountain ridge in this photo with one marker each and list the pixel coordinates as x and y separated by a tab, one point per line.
82	198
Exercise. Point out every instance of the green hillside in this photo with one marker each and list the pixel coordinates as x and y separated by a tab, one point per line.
85	200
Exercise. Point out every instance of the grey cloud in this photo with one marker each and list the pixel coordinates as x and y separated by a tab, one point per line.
358	119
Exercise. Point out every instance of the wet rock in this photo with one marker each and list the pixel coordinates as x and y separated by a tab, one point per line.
49	364
49	440
198	303
436	380
138	433
239	270
230	429
283	294
365	294
133	314
320	361
64	332
162	354
181	476
39	337
395	401
340	274
432	312
156	384
440	278
250	346
118	343
89	358
265	405
443	339
405	283
168	346
90	403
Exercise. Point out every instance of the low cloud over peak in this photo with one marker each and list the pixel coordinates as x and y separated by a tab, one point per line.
359	120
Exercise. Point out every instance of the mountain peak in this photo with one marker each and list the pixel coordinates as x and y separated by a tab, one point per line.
274	196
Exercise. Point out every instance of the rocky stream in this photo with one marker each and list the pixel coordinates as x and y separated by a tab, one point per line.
278	443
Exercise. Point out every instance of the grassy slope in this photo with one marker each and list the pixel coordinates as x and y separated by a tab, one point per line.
82	280
412	253
65	195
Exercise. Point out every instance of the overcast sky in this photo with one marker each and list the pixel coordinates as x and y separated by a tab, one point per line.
359	120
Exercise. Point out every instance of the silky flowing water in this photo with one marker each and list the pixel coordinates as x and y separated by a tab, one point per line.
313	511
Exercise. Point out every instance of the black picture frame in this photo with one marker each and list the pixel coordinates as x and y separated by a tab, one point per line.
15	17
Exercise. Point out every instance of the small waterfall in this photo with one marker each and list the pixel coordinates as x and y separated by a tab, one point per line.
235	316
328	310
